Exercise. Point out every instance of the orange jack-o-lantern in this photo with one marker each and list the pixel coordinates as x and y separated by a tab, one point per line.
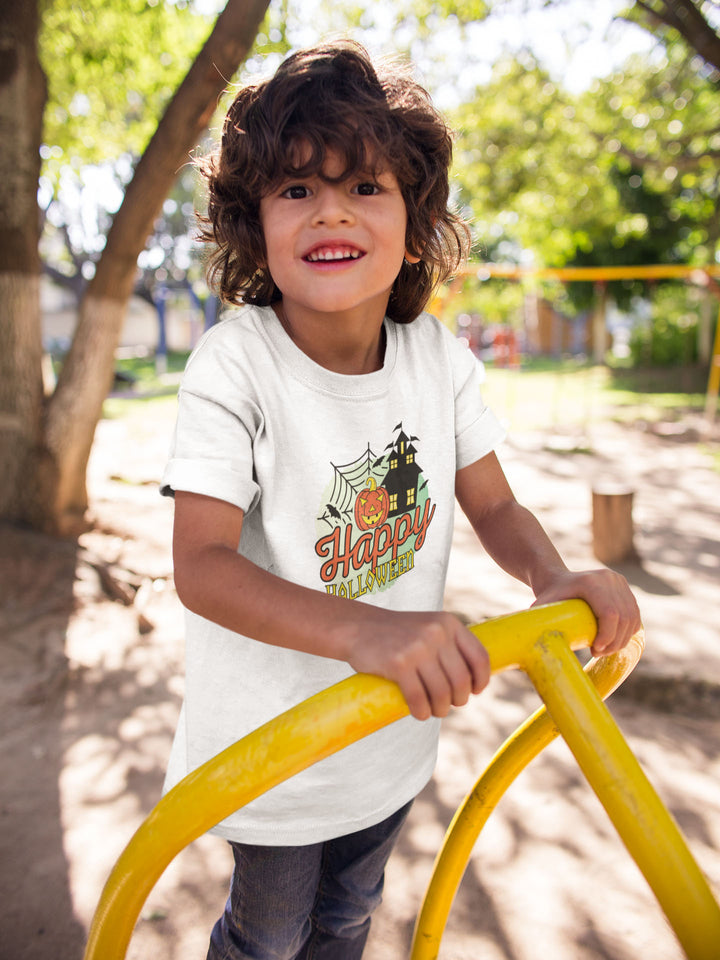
371	506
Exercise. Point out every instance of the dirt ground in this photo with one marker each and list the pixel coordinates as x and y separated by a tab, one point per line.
91	683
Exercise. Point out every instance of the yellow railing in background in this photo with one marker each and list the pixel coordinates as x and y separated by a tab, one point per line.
539	641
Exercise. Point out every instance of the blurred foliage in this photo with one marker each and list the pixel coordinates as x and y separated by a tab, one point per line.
556	173
695	21
172	257
627	172
413	19
496	301
669	336
527	167
664	343
111	67
661	121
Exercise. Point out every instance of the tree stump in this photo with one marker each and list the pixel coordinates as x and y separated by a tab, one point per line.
612	523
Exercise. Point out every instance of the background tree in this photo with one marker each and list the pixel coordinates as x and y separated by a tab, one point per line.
694	20
657	124
22	97
44	451
626	172
112	68
546	177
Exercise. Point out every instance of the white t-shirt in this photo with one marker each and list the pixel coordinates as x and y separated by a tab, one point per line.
347	484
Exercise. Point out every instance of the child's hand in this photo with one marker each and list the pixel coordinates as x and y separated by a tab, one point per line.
611	600
434	659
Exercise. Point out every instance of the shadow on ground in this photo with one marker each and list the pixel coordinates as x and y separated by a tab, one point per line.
37	576
93	686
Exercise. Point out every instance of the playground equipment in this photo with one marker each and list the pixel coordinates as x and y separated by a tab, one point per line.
539	641
707	276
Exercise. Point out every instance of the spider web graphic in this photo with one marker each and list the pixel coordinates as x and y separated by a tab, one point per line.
348	480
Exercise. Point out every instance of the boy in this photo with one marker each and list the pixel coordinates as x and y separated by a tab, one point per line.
323	433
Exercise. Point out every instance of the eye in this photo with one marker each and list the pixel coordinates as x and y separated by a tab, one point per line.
296	191
367	189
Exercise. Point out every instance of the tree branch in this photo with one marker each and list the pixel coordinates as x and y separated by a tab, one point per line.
179	130
75	282
687	19
75	406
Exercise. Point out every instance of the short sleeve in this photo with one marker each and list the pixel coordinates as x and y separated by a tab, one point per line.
217	423
477	429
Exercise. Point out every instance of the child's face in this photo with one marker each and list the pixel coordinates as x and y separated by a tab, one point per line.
333	248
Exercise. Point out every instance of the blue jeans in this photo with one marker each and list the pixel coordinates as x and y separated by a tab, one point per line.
305	903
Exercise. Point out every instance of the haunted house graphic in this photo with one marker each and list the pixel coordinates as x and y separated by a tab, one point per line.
395	471
375	514
403	473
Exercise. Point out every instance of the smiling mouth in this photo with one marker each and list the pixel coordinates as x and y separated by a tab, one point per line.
333	254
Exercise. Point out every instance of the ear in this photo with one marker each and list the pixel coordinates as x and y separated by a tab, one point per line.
411	258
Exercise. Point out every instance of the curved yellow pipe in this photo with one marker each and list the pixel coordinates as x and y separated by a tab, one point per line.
642	821
530	739
343	714
644	824
275	752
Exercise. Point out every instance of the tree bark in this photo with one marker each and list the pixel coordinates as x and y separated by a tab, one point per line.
86	375
22	100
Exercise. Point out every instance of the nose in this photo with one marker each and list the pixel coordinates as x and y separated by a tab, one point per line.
332	206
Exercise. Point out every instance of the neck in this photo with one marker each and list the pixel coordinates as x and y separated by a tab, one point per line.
348	344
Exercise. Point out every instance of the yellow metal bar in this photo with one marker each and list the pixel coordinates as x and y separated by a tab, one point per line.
283	747
508	639
274	752
713	387
353	709
606	673
511	271
642	821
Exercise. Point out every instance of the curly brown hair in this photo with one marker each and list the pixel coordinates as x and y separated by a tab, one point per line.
331	97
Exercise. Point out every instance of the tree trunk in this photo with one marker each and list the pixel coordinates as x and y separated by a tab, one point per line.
22	100
76	404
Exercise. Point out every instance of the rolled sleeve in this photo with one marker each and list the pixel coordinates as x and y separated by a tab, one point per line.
211	453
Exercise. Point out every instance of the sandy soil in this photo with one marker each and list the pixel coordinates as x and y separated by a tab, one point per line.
91	683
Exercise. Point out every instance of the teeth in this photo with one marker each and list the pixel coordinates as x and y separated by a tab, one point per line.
333	255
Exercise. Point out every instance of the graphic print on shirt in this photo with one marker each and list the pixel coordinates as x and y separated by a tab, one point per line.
374	519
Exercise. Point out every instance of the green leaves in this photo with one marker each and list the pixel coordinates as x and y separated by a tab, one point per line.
111	68
523	149
625	173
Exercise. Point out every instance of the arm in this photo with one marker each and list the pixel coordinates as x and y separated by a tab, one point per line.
516	541
434	659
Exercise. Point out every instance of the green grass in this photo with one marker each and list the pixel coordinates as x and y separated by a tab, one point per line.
714	454
143	370
116	408
546	394
140	382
